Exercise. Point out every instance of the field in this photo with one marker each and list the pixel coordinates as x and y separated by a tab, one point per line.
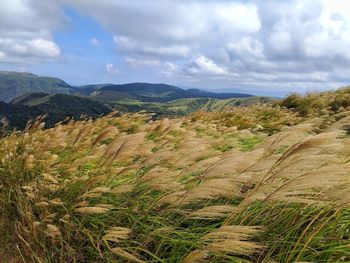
263	183
181	107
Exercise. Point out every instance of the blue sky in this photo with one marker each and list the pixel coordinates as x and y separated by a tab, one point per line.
263	47
86	47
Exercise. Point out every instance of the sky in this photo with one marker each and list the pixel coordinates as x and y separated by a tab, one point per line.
266	47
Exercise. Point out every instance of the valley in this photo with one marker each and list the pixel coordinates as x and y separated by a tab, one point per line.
27	96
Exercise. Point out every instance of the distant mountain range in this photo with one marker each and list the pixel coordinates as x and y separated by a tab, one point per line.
148	92
24	96
14	84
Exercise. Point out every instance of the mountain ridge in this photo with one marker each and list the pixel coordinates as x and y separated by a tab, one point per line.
26	96
14	84
159	92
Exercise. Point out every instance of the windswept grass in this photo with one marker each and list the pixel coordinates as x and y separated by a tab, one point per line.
256	184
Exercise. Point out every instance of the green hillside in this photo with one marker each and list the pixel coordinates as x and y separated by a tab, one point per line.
88	89
57	107
31	95
14	84
186	106
149	92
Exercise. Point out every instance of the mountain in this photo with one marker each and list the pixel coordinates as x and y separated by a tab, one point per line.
197	93
57	106
26	96
186	106
14	84
148	92
88	89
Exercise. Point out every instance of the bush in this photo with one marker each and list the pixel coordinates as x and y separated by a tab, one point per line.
310	104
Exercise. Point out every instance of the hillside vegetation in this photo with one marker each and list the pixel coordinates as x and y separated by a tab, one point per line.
54	108
148	92
186	106
26	96
57	107
262	183
14	84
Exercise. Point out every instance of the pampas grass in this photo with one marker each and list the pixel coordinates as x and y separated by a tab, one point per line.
255	184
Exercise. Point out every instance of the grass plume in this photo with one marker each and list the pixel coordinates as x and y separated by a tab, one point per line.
265	183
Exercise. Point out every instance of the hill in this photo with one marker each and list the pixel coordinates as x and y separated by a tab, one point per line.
28	90
57	107
197	93
148	92
186	106
14	84
88	89
262	183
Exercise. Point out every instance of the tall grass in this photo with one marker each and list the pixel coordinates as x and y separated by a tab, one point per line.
244	185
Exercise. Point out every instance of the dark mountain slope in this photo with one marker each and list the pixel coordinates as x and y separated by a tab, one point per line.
148	92
197	93
88	89
57	106
14	84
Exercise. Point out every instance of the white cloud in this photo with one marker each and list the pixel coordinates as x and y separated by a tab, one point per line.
142	62
2	56
111	69
42	47
235	17
205	66
281	42
129	45
169	69
176	29
249	43
26	30
21	51
94	41
247	47
266	44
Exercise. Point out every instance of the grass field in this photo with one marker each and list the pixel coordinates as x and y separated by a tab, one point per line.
264	183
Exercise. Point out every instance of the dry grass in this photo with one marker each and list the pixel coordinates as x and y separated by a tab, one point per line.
257	184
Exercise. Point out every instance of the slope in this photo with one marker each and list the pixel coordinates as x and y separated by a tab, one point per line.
57	107
261	183
148	92
14	84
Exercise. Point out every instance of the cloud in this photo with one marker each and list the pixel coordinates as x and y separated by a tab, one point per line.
133	46
252	42
26	30
26	51
274	45
246	47
142	62
111	69
94	41
205	66
169	69
176	29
